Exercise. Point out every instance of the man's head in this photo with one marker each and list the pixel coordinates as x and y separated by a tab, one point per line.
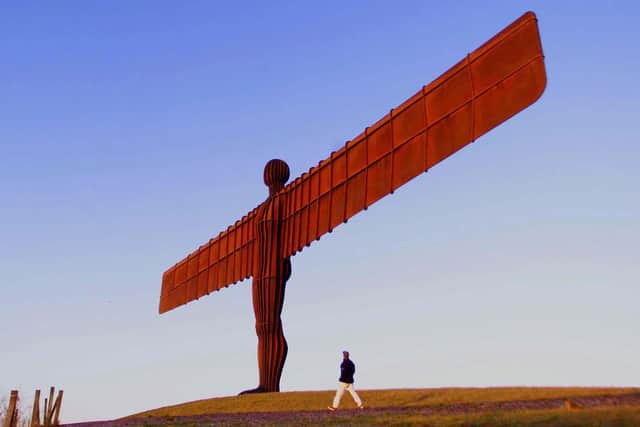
345	354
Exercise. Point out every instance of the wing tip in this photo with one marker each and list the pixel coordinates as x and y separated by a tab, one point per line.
162	307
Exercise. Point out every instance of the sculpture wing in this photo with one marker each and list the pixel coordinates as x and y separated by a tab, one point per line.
223	261
490	85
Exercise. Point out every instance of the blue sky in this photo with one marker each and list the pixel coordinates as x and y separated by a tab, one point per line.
132	133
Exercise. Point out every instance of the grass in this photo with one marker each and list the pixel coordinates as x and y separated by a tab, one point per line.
401	398
600	417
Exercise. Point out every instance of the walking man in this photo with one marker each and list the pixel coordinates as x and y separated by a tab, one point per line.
347	369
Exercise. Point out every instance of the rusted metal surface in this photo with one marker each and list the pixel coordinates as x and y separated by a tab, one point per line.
496	81
493	83
271	272
224	260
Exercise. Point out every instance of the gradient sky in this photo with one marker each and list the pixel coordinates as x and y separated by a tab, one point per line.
131	133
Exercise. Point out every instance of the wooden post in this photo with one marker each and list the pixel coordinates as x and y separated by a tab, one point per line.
58	404
35	415
50	406
11	419
44	416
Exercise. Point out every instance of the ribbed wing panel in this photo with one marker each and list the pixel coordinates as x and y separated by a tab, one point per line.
223	261
490	85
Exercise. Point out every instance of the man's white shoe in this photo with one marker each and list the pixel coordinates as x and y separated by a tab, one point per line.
331	408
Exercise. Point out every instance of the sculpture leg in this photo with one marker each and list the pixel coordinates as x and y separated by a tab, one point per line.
268	300
272	352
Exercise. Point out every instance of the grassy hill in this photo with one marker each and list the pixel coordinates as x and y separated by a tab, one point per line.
502	406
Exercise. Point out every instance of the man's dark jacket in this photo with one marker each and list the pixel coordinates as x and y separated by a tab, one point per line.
347	369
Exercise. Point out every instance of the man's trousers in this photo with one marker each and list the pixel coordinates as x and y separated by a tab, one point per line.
341	388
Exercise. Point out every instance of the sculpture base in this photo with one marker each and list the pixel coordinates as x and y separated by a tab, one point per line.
255	390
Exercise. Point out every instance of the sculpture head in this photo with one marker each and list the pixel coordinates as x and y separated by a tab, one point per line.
276	174
345	354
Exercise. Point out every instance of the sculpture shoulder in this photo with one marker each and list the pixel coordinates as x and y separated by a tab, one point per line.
272	209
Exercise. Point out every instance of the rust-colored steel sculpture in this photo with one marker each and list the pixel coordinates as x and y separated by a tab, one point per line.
490	85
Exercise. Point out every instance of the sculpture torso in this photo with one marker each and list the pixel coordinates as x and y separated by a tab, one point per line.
269	255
